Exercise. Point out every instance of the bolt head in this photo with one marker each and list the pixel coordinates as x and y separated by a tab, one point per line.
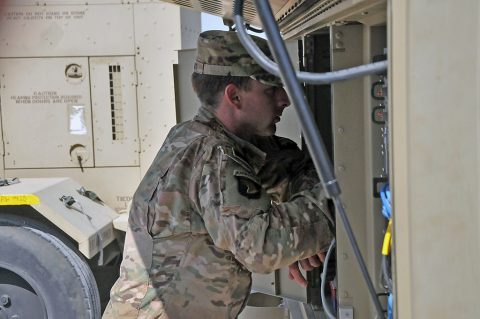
5	300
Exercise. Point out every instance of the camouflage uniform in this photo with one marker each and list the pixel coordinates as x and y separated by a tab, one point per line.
207	214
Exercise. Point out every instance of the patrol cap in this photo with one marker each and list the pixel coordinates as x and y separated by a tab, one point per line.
222	53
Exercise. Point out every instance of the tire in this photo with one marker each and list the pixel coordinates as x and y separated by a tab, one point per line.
41	277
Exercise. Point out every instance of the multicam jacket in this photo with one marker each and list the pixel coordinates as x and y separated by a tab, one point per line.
207	214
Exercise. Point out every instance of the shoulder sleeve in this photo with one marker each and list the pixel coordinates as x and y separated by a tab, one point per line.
240	216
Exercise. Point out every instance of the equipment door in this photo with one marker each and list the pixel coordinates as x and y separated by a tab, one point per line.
46	112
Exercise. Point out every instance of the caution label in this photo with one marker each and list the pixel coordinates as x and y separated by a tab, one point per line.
19	199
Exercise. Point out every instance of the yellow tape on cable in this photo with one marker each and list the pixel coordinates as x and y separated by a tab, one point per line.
19	199
387	240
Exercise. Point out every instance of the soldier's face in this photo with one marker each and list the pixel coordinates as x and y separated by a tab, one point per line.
263	108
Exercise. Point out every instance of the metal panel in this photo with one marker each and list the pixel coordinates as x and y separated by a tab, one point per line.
157	35
114	185
296	17
277	283
265	283
46	112
436	157
68	30
376	154
323	13
356	153
114	103
224	8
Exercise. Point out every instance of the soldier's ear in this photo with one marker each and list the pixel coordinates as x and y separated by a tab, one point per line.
231	95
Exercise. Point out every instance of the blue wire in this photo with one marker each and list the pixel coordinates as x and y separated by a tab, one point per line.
386	199
390	306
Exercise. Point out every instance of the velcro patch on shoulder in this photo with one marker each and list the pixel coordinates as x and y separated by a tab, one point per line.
248	184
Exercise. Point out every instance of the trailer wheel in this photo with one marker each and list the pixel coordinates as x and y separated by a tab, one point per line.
40	277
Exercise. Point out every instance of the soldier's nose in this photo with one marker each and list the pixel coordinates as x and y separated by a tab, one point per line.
282	98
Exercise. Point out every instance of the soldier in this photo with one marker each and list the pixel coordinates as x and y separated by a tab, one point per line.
223	198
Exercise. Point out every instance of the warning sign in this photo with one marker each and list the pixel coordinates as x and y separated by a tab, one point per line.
28	15
46	97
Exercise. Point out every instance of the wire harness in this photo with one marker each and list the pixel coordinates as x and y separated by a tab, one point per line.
385	195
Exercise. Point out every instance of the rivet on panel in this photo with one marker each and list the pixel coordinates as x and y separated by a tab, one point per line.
341	130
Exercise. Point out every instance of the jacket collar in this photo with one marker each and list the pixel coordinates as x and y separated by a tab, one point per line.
248	151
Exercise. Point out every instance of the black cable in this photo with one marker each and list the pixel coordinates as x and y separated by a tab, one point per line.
249	27
386	274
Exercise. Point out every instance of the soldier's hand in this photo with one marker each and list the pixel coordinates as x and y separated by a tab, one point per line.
312	262
307	264
295	274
